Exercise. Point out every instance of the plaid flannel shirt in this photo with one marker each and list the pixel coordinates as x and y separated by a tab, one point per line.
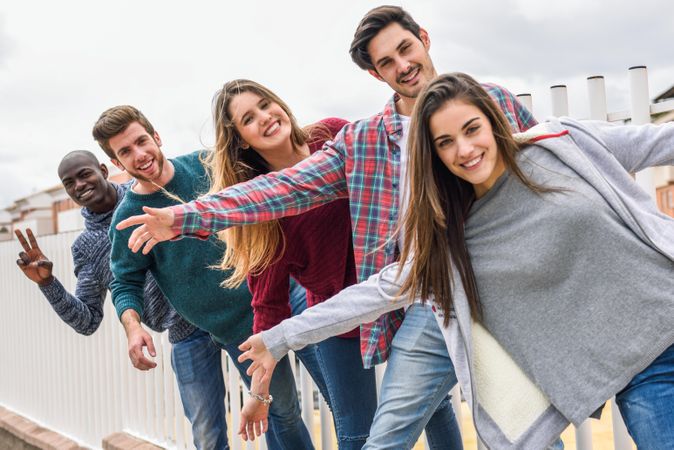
361	164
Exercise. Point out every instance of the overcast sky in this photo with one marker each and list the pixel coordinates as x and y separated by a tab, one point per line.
62	63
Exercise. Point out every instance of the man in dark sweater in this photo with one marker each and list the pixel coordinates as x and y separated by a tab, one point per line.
85	181
185	270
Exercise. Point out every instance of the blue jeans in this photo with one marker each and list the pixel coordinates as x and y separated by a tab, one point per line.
647	404
352	390
337	369
418	376
196	364
309	354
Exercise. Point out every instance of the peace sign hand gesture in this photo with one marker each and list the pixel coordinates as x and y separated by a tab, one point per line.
32	261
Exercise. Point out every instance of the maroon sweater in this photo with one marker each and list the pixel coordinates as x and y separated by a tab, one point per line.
318	254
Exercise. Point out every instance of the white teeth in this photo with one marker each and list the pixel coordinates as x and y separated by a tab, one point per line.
472	162
145	166
86	193
410	76
272	129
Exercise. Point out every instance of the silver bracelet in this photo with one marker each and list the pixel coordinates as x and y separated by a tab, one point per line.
259	398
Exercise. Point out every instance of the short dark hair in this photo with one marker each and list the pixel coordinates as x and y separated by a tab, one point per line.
114	121
373	22
78	153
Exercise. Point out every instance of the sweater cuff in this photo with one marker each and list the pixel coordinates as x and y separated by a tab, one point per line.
53	291
126	302
275	341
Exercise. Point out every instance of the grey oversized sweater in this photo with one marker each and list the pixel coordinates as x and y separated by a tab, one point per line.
578	300
601	156
91	257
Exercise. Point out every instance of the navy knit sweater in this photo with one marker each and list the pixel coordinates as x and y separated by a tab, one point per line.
91	258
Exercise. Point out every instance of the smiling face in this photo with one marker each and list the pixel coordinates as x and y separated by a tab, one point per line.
464	141
138	153
85	181
401	60
261	123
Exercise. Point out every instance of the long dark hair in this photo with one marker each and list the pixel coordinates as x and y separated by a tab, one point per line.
434	236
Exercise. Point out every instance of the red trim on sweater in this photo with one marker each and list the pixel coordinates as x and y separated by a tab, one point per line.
548	136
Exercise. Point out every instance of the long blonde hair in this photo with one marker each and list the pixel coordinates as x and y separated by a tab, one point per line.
250	248
434	228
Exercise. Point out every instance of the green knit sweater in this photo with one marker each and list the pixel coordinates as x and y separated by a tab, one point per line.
183	269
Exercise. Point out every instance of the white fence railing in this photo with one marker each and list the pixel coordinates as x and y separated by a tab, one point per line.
85	387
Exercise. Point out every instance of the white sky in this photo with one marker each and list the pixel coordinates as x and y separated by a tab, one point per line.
62	63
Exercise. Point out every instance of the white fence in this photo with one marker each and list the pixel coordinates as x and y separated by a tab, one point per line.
85	387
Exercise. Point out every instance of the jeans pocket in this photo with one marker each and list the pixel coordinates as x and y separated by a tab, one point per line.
416	322
182	363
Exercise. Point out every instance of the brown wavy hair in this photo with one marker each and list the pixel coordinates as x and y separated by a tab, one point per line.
250	248
114	121
433	230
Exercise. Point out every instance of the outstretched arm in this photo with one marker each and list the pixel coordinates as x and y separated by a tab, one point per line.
636	147
83	311
355	305
317	180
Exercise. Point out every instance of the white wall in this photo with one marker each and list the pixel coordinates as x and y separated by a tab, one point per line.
70	220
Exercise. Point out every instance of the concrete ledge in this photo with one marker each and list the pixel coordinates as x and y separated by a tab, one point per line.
123	441
19	433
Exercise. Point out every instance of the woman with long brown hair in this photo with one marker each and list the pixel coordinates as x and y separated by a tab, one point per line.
550	246
256	133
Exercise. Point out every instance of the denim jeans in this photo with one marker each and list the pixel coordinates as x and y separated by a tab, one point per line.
352	390
309	354
196	364
418	377
647	404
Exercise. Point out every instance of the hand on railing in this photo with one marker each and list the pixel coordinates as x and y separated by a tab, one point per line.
254	349
34	264
155	227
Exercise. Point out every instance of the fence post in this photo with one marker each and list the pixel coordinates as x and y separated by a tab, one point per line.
307	390
326	422
640	106
559	100
584	436
596	92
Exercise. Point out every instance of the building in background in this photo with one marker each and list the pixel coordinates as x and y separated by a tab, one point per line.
48	211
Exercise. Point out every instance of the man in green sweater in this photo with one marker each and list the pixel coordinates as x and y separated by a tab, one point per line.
184	270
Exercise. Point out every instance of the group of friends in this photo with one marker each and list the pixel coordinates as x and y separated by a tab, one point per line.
448	234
